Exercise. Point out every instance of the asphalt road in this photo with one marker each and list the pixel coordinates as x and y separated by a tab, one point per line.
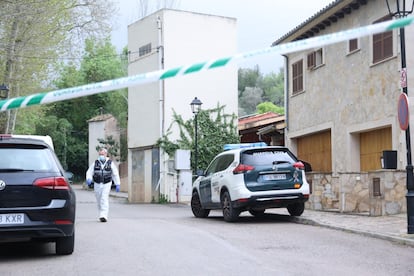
153	239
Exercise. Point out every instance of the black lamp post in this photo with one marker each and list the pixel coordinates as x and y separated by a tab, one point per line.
195	108
4	87
402	10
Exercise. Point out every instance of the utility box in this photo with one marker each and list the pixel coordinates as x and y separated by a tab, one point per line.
389	159
182	159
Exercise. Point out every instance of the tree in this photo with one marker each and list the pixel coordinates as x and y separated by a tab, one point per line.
100	62
254	88
252	96
214	130
35	34
248	78
273	88
268	106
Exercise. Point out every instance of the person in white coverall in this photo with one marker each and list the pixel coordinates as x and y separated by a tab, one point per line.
101	173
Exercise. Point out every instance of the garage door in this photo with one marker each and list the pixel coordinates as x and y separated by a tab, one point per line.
372	144
316	149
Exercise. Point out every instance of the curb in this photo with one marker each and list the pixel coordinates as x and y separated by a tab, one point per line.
391	238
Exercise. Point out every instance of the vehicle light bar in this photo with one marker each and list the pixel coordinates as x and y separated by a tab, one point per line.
244	145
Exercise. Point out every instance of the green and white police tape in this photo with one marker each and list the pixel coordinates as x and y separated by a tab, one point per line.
110	85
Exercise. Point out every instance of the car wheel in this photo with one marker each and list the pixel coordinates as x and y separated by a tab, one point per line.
65	246
230	213
257	213
296	209
198	210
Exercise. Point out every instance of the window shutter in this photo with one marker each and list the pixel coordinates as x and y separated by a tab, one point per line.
353	45
311	60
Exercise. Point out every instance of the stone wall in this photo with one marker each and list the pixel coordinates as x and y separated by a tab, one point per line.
377	193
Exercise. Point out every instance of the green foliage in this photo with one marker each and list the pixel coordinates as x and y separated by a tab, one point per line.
163	199
248	78
254	88
214	130
111	145
34	36
273	88
268	106
100	62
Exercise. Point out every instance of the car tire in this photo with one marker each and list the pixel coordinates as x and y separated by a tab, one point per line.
296	209
257	213
230	214
196	208
65	245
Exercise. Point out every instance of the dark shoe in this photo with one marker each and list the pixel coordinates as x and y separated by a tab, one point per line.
102	219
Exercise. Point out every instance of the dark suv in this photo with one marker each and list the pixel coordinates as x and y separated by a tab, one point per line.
251	178
36	199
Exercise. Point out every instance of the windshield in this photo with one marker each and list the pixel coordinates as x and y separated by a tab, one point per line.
266	157
27	159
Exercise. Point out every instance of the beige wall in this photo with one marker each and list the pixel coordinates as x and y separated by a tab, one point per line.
100	129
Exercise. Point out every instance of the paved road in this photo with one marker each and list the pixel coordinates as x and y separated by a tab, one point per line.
151	239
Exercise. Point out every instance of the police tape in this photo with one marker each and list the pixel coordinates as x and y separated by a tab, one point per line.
111	85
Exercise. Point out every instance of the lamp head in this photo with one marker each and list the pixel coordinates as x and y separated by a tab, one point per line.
196	105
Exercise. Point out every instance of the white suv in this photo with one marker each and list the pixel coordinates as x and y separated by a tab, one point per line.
251	178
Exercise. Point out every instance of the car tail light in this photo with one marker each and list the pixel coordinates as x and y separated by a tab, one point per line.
242	169
53	183
299	165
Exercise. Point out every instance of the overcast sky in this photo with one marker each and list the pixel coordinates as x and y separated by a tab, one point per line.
259	22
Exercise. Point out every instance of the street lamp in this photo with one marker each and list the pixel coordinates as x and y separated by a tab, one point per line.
4	87
195	108
401	10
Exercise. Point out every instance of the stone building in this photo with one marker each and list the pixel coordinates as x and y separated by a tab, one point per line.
341	110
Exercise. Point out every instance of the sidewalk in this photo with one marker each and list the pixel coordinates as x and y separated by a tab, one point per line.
392	228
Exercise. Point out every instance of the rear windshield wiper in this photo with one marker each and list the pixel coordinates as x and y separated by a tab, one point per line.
15	170
280	162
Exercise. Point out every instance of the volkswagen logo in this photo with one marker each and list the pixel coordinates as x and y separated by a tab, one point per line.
2	185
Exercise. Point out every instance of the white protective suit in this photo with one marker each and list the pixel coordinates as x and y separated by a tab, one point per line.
102	189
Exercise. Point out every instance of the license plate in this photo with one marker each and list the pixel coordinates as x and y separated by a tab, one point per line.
279	176
11	219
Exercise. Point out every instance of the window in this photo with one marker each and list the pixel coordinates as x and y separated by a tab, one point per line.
353	45
219	164
146	49
315	59
26	158
297	76
382	44
266	157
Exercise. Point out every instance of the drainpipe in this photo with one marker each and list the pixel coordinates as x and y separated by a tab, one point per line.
160	50
286	93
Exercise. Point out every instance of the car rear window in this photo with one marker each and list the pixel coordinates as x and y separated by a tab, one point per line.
266	157
27	158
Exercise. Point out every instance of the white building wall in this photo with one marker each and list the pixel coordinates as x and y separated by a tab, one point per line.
96	130
183	38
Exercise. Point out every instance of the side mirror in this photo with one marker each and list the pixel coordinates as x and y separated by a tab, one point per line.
308	167
200	172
